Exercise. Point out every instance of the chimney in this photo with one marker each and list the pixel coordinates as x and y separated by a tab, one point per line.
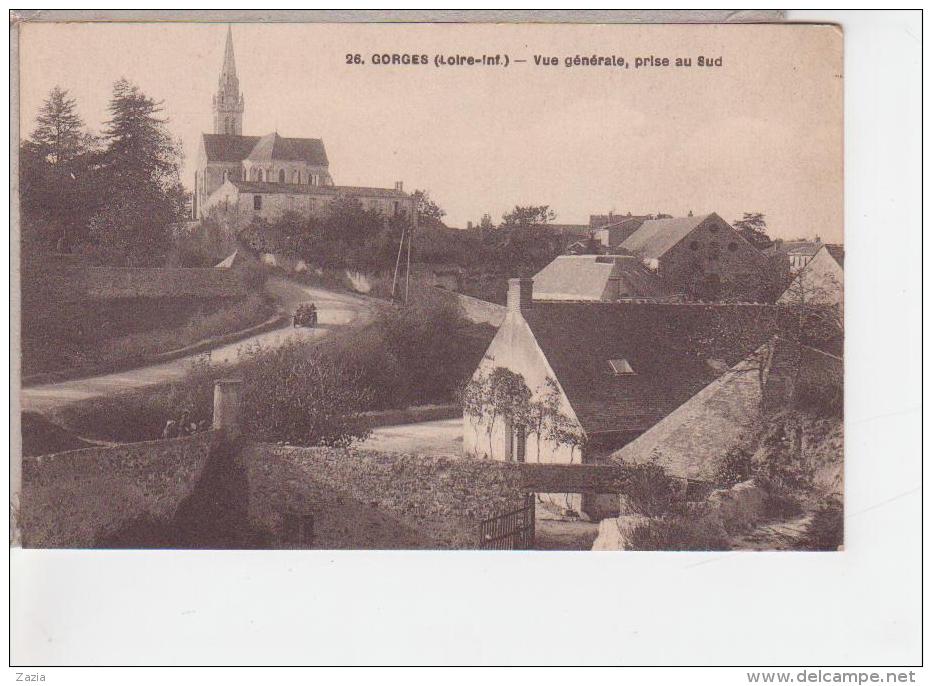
520	294
469	226
400	186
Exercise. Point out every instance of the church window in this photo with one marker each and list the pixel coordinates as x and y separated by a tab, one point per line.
260	177
281	176
257	202
296	176
315	179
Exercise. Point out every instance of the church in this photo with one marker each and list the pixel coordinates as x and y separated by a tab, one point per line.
241	177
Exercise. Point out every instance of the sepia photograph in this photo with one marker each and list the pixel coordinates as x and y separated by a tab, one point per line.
497	338
287	286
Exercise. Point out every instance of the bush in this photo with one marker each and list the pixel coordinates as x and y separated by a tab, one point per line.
734	468
827	529
300	398
674	532
651	492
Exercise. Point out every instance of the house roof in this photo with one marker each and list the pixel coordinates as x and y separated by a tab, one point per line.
274	147
797	247
727	410
307	189
227	148
586	277
655	236
600	221
667	345
837	251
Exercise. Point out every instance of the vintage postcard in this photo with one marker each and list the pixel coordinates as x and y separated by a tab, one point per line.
429	286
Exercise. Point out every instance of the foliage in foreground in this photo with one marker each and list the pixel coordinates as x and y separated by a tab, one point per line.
307	393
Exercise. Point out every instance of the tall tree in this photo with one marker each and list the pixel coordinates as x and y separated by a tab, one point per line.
427	210
524	242
59	135
56	173
141	179
753	228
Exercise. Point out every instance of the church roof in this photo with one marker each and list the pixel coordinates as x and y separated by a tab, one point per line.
306	189
274	147
227	148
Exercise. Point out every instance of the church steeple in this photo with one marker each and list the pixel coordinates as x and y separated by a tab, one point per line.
228	103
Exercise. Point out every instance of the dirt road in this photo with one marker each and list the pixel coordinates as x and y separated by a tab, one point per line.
334	310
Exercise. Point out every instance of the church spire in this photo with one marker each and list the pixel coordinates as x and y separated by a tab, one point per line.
228	103
229	61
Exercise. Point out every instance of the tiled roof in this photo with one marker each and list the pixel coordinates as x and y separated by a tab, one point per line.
305	189
274	147
667	345
837	251
797	247
586	277
226	148
600	221
656	236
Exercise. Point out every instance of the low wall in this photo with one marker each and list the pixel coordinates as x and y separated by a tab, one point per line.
478	311
424	501
70	282
73	499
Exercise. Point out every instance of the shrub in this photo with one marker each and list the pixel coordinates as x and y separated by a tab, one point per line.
827	529
674	532
298	397
651	492
734	468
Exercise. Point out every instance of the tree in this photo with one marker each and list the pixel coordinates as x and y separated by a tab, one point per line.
426	208
523	243
60	135
143	196
528	215
57	174
753	228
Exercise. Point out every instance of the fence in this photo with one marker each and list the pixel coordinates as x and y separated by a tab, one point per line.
512	530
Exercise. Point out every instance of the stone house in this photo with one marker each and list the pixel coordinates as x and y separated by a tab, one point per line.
239	201
821	281
798	253
596	277
608	370
702	257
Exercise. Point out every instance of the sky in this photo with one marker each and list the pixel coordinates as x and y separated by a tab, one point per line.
761	133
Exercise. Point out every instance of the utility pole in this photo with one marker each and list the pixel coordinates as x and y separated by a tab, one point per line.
410	237
398	260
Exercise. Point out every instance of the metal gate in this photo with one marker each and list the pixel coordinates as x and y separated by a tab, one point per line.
513	530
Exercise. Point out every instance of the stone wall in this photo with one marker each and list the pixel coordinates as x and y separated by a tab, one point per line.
67	280
425	501
478	311
76	498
